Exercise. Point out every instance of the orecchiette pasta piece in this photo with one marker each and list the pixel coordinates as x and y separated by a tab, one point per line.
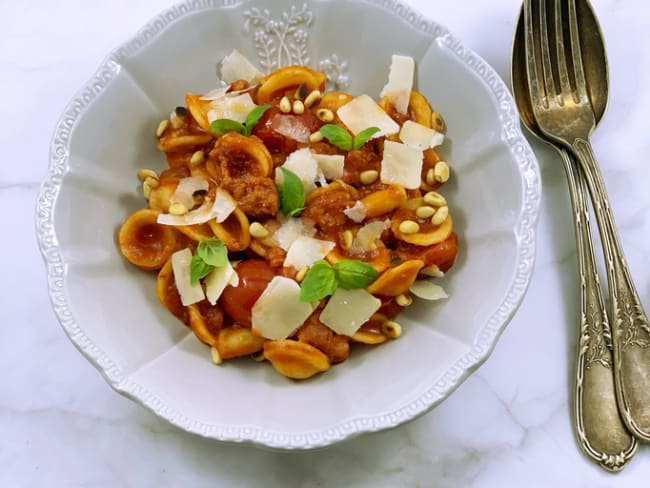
196	232
428	234
160	196
383	201
295	359
173	143
237	156
368	337
233	231
168	294
419	109
199	109
144	242
333	101
289	78
379	258
205	322
396	280
235	342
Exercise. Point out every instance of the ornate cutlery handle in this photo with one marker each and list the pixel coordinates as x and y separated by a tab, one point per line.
631	330
600	430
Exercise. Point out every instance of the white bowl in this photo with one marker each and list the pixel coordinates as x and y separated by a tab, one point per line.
109	309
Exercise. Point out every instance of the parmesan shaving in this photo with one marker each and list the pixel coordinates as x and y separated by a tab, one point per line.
357	212
305	251
217	93
235	108
190	293
427	290
347	310
236	66
419	136
186	188
303	165
400	82
367	237
290	229
401	165
331	165
362	112
217	280
223	206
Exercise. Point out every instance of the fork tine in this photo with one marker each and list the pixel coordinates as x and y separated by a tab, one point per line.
565	84
530	55
576	52
549	84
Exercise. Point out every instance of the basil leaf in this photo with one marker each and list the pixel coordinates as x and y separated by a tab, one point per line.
254	117
223	126
213	252
291	193
351	274
319	282
338	136
199	269
364	136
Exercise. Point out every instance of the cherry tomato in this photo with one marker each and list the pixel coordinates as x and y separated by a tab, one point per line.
237	301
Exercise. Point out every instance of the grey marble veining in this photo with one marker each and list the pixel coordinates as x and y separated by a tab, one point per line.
508	425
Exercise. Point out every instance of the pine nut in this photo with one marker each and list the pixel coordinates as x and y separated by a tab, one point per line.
312	98
298	107
258	231
440	216
177	209
391	329
301	274
346	240
369	176
431	177
162	127
216	357
325	114
435	199
197	158
285	105
316	136
143	174
437	122
441	172
409	227
146	190
433	271
425	212
404	300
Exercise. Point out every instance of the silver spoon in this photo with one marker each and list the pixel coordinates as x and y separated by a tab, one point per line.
599	428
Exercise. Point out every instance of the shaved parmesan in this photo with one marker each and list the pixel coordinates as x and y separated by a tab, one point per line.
347	310
278	311
236	66
224	205
367	237
428	290
234	108
292	127
331	165
303	165
217	280
363	112
357	212
305	251
401	165
218	92
400	82
184	193
419	136
290	230
190	293
433	271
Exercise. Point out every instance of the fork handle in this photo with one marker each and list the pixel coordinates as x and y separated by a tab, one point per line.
598	425
630	327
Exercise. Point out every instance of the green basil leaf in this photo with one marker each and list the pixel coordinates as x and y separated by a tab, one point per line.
223	126
254	117
319	282
351	274
199	269
338	136
364	136
291	193
213	252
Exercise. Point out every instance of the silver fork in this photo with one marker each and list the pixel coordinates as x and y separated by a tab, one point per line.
563	111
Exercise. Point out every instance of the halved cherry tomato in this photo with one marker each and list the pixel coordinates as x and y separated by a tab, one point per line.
237	301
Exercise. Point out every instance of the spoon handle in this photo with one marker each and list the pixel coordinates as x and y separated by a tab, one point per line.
631	330
599	428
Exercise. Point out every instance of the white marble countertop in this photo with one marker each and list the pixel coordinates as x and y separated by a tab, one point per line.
508	425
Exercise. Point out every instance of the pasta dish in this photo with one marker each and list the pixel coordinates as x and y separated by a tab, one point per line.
292	222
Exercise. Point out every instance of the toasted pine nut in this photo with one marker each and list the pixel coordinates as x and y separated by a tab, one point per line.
409	227
177	208
146	190
346	240
431	177
425	212
435	199
325	114
162	127
313	97
316	136
391	329
441	171
440	216
258	231
369	176
300	275
197	158
216	357
298	107
437	122
152	182
144	173
285	105
404	300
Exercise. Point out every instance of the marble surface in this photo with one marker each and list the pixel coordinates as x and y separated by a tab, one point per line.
508	425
